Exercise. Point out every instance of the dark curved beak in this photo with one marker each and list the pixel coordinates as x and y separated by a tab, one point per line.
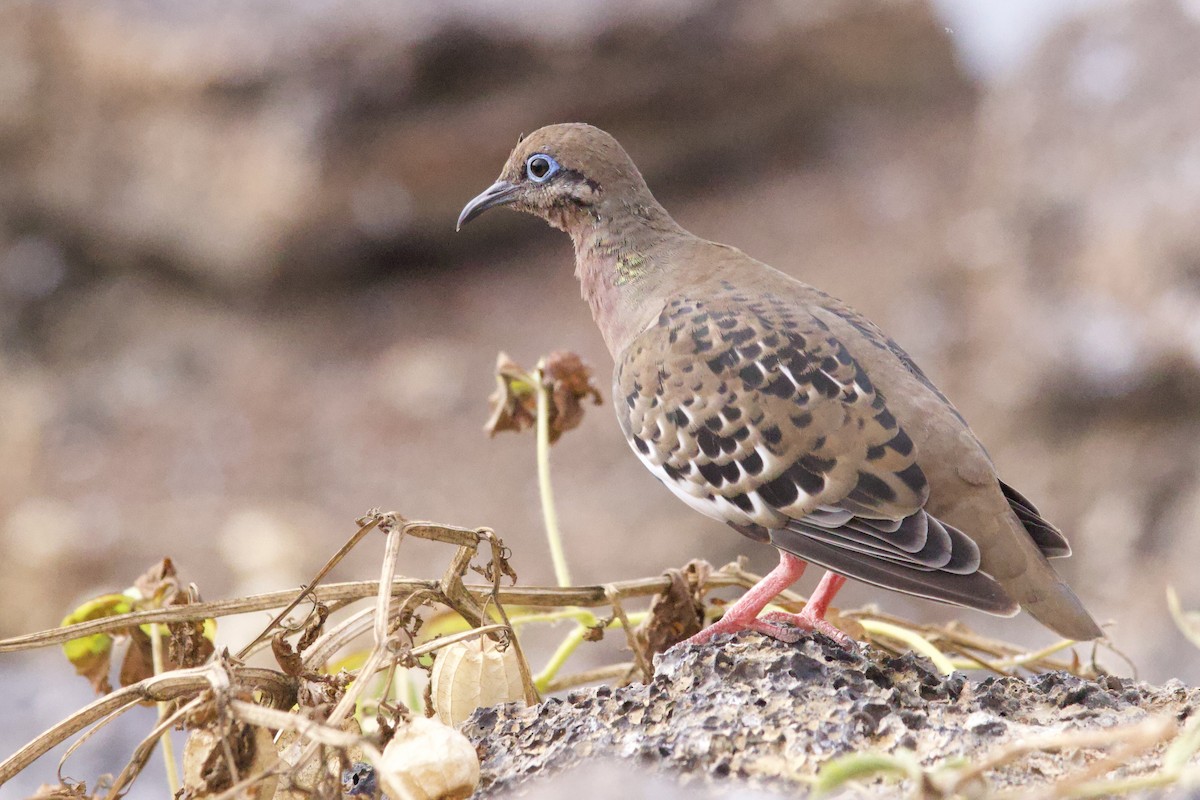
498	194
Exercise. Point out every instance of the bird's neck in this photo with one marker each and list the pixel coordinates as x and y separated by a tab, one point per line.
622	261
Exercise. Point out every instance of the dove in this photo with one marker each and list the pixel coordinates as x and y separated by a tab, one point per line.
771	406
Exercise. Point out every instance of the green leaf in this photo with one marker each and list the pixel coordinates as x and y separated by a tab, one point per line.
857	766
108	605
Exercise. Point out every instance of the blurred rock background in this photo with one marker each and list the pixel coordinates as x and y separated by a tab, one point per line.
234	314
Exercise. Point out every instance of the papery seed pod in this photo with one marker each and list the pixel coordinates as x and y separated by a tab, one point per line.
427	760
206	766
474	673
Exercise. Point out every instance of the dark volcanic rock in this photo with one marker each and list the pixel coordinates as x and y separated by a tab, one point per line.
753	710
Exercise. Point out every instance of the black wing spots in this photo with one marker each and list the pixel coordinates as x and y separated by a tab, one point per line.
781	387
712	473
781	492
885	419
871	491
708	442
731	472
797	362
720	474
753	463
750	351
914	478
631	399
802	420
785	490
864	382
771	341
731	413
673	335
700	319
700	341
641	445
743	502
901	443
722	361
713	423
729	444
842	354
742	434
829	364
771	434
824	384
677	473
726	321
679	417
738	337
816	465
751	375
876	453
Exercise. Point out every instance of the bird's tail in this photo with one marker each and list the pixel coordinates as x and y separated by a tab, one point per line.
1028	577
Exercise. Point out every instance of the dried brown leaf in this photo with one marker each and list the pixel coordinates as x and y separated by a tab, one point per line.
514	402
677	613
570	382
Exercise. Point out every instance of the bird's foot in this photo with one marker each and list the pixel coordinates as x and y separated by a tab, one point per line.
808	622
778	625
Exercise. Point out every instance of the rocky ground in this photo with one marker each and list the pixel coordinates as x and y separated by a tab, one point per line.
760	717
234	316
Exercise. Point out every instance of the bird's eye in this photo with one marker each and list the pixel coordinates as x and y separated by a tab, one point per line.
540	167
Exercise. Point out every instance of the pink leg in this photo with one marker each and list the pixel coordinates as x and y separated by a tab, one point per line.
743	615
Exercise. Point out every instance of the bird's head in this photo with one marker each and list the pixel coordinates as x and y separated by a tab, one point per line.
568	175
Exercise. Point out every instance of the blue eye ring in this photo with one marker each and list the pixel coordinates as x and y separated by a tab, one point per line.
540	167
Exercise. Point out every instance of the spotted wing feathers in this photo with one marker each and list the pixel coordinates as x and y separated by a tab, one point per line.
754	413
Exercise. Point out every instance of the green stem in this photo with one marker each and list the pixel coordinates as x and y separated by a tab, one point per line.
570	644
168	749
561	573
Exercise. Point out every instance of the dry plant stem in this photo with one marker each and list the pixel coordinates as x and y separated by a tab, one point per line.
321	734
531	692
145	748
639	657
308	590
561	573
539	596
349	700
169	686
1140	736
1138	739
